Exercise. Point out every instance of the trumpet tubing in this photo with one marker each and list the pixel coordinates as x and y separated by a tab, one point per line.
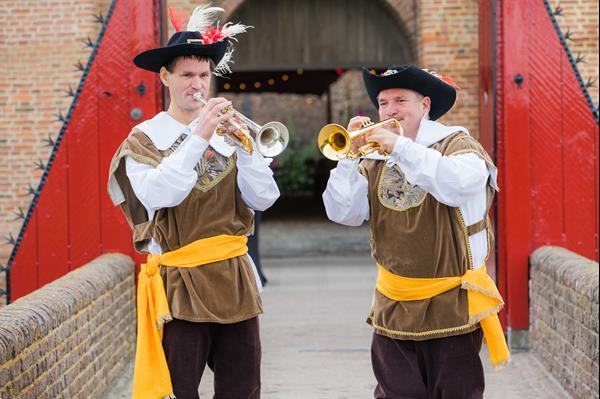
271	138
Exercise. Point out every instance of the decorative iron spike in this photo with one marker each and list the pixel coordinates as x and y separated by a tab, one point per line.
19	215
2	292
79	67
558	10
590	82
569	35
49	141
70	92
39	164
87	42
10	240
3	268
59	117
30	190
580	58
99	18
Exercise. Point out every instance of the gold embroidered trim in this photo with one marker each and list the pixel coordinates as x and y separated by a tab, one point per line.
463	226
216	180
361	170
476	318
459	136
485	159
164	319
140	158
431	333
466	151
465	285
501	365
399	209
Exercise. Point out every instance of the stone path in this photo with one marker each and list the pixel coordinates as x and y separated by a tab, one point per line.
316	342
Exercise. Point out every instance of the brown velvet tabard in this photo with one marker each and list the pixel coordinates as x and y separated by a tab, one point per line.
221	292
414	235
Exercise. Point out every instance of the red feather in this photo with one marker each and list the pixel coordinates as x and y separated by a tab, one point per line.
450	82
177	18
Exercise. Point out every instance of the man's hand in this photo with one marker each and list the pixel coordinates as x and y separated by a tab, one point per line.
210	117
355	124
385	138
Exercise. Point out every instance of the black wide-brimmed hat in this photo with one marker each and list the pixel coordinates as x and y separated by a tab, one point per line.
441	90
181	43
203	36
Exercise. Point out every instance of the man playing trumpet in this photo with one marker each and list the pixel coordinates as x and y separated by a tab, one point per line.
189	198
426	197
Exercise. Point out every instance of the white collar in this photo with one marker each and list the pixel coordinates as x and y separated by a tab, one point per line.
163	130
430	132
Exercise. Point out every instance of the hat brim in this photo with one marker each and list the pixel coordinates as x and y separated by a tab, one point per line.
154	59
442	95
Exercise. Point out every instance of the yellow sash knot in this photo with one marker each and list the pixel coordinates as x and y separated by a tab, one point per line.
483	297
151	378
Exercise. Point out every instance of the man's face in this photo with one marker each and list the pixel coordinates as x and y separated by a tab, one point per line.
189	76
407	106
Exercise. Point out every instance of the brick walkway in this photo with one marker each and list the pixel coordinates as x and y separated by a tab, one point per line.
316	342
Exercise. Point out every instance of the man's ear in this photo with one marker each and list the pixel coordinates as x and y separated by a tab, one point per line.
426	104
164	76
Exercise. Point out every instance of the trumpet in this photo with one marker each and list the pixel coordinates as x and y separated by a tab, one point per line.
335	142
271	138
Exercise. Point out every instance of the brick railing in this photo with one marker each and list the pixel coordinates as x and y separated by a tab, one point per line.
72	337
564	318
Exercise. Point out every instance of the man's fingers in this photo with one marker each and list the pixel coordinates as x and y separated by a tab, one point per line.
215	102
224	117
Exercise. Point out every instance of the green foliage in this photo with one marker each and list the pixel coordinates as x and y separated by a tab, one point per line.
295	167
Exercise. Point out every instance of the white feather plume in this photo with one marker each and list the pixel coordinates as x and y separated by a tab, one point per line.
223	67
229	30
203	17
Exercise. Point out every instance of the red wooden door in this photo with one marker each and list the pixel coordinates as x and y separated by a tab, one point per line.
71	219
547	148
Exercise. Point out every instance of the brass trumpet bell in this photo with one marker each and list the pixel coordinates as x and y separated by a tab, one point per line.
335	142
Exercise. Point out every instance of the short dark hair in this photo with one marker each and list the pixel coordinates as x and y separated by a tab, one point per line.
170	66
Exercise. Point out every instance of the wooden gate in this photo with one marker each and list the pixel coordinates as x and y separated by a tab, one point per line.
71	219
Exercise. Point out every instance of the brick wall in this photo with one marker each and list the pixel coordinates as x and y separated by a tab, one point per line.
580	18
40	42
564	318
449	44
71	338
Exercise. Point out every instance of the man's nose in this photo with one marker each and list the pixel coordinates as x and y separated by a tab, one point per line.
197	82
392	112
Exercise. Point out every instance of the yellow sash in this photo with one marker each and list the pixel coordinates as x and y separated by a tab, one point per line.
483	297
151	378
